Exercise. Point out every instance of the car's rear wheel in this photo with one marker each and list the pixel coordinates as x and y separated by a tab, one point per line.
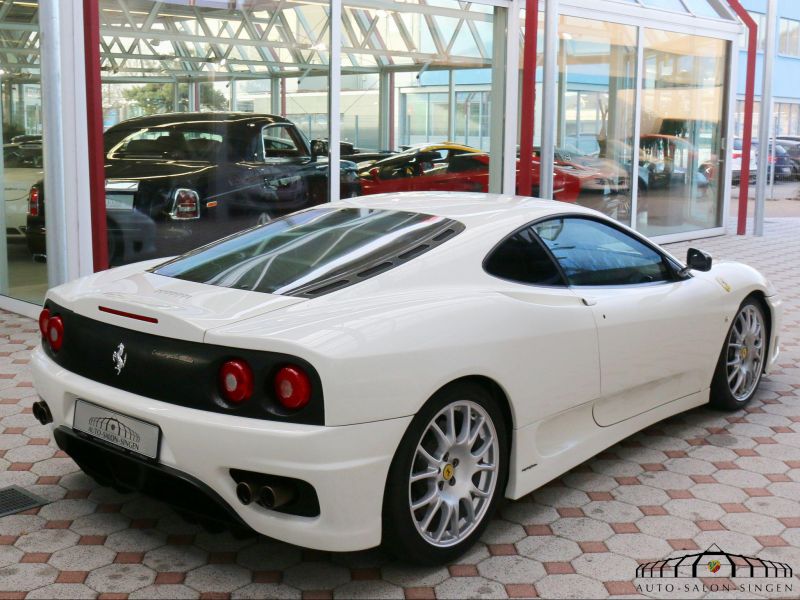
741	361
447	476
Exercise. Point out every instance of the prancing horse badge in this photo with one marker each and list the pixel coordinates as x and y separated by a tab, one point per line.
119	358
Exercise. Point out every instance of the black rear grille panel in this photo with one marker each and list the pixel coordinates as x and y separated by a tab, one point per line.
176	371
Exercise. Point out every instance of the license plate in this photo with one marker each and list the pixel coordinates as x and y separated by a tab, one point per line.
117	429
119	201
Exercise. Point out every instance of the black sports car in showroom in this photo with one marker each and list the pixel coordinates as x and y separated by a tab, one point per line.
176	181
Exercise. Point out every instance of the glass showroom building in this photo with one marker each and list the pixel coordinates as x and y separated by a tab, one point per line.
633	98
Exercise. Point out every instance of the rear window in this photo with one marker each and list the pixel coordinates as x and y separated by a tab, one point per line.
314	252
196	141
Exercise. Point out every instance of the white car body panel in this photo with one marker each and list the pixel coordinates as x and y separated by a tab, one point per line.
184	310
581	368
346	465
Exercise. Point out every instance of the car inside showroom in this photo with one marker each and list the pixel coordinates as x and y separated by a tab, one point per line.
398	298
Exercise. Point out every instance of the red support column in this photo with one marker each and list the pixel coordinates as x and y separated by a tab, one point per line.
528	99
749	102
94	118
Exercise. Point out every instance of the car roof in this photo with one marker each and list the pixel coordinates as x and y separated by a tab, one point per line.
221	117
472	209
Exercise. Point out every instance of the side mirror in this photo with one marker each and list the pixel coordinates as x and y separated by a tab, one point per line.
697	260
319	148
373	173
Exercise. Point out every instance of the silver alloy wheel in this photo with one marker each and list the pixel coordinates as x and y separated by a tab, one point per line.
745	354
454	473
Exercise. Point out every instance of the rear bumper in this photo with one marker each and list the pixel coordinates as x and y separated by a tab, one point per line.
347	466
178	489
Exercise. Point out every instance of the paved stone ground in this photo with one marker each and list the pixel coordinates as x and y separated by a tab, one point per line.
698	479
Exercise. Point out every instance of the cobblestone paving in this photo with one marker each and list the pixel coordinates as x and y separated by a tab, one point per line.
698	479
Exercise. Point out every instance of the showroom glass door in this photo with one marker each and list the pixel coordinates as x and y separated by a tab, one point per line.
215	118
681	155
596	95
23	272
422	97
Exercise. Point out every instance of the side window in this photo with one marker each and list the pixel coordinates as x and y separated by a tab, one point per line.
464	163
397	171
592	253
522	258
279	142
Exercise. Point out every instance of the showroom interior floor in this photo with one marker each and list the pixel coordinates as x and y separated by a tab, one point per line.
699	479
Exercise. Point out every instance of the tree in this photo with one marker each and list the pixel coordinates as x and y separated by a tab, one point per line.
159	97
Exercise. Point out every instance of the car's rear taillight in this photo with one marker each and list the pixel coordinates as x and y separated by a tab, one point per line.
55	333
236	381
33	202
187	205
44	317
292	387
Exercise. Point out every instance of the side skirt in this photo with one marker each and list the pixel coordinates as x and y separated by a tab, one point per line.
546	449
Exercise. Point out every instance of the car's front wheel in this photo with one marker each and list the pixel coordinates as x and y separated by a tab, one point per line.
741	361
447	476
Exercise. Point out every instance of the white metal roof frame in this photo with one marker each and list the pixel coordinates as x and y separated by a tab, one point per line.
256	39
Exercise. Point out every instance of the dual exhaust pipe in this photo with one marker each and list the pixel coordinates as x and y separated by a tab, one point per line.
269	496
42	412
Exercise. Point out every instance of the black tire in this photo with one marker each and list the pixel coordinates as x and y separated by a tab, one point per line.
400	535
722	397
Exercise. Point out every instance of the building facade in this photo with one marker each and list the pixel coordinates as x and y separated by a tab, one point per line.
396	95
786	92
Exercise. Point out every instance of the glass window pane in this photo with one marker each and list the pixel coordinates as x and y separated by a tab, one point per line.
592	253
23	271
597	72
313	250
675	5
701	8
793	48
418	90
679	171
522	258
209	113
783	39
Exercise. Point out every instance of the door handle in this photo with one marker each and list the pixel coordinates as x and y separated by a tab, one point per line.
589	301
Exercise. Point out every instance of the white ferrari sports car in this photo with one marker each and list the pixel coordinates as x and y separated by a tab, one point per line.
385	369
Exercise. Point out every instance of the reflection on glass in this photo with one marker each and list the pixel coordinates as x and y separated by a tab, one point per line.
418	89
215	119
22	275
313	251
681	133
597	84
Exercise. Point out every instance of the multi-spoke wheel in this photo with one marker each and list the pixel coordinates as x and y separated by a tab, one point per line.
446	477
741	361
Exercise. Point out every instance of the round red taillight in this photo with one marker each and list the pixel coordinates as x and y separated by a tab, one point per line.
55	333
236	381
292	387
44	317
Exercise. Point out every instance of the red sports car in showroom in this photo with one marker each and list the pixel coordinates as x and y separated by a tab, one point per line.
421	169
